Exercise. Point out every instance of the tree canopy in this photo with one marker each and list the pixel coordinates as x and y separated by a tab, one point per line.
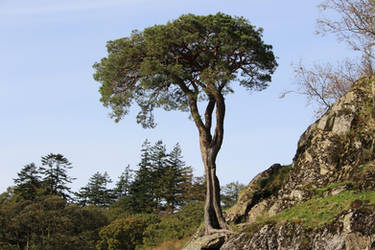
164	65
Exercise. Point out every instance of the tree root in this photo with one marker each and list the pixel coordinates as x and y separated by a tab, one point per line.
219	231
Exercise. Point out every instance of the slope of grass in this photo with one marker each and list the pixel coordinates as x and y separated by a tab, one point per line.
320	211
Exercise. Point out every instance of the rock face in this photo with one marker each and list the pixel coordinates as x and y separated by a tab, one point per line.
255	195
354	230
333	172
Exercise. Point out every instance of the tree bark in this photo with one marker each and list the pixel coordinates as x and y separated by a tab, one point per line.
210	145
213	217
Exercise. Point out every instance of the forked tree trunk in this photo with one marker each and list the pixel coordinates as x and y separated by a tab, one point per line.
210	146
213	217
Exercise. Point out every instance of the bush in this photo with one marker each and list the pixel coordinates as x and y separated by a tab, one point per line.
125	233
175	227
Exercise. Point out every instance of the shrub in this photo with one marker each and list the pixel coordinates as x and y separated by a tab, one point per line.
125	233
175	227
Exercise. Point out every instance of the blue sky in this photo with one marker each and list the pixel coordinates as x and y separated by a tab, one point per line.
49	102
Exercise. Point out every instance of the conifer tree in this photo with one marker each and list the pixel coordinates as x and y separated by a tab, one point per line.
28	182
96	192
141	198
230	193
55	178
123	185
175	178
158	159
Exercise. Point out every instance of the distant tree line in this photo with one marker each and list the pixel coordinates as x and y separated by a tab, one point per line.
49	179
159	201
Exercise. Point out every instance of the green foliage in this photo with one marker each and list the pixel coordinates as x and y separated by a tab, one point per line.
176	65
124	182
28	183
192	55
55	179
196	189
125	233
169	228
96	192
29	219
158	168
141	198
192	215
7	195
174	180
162	182
85	224
119	209
49	223
230	193
175	227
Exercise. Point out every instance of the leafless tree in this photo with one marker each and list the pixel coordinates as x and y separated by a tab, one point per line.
323	84
352	21
355	22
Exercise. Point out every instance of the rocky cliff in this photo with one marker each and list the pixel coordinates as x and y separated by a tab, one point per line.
325	199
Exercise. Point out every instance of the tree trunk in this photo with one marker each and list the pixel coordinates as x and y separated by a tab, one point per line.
210	146
213	217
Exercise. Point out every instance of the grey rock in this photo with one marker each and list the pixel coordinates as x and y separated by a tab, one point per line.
345	234
213	241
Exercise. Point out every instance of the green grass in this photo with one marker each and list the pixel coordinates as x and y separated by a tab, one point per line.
320	191
320	211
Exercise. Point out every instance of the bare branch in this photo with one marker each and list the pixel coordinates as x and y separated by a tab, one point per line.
323	84
354	24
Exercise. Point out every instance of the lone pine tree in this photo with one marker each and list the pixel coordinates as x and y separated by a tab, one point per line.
175	66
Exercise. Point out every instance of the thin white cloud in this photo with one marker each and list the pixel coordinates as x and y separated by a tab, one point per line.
67	6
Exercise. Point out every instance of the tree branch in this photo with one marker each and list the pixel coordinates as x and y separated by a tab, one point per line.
195	114
208	114
220	113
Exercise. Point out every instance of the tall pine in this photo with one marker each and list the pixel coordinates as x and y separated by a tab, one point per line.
158	158
175	178
140	192
55	177
28	182
96	191
123	184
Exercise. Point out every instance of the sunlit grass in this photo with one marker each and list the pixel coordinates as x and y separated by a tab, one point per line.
320	211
